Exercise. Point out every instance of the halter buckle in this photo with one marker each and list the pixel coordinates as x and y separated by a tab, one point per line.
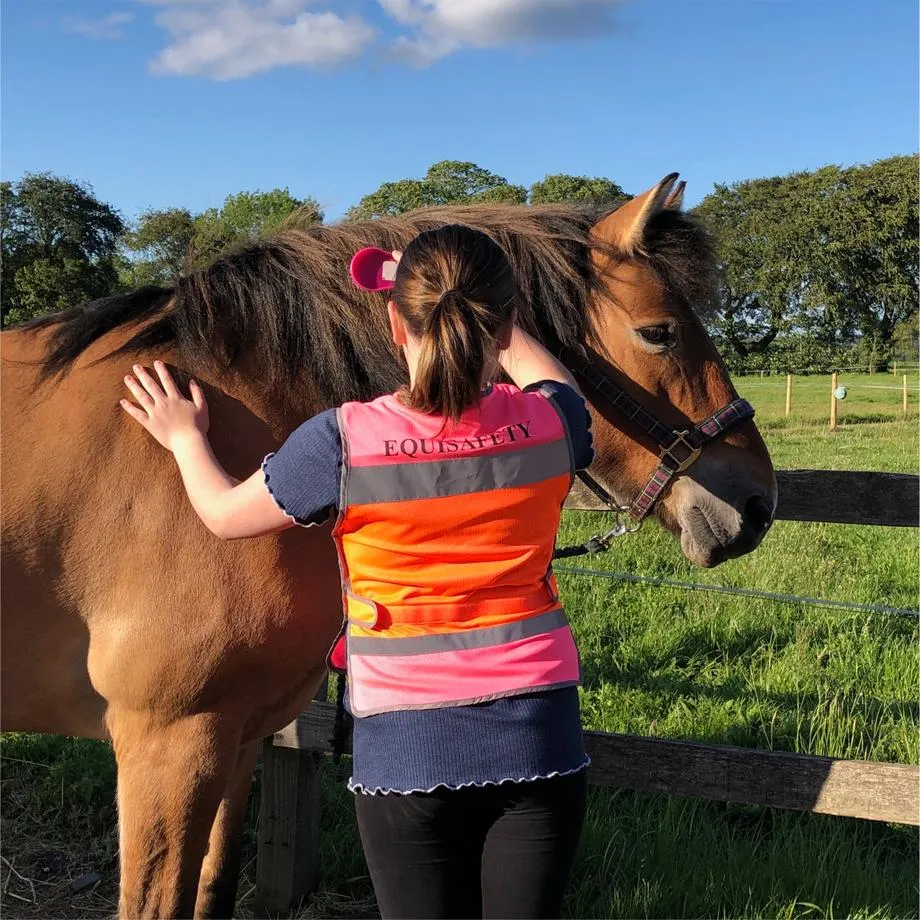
690	453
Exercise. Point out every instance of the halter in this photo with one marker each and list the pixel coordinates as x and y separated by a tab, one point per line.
374	269
680	449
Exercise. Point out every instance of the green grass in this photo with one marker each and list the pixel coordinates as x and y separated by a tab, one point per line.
657	661
651	856
745	671
871	433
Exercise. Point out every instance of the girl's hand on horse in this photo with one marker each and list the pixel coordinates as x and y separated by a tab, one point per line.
230	509
162	409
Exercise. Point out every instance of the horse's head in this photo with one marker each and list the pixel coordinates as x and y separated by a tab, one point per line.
649	341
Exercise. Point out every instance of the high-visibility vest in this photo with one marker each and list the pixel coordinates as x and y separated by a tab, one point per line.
445	536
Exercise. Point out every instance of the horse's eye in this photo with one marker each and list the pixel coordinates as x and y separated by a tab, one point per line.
657	335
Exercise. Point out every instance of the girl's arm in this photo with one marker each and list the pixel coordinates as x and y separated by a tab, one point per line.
526	361
230	509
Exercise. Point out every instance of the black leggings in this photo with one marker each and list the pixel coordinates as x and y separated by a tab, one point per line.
492	852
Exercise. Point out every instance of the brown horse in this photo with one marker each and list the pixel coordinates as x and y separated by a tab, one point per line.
186	673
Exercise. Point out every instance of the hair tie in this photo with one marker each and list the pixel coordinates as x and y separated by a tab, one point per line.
445	293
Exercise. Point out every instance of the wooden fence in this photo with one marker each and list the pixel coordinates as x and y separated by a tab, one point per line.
903	392
289	824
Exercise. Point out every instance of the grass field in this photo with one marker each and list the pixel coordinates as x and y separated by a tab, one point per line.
657	661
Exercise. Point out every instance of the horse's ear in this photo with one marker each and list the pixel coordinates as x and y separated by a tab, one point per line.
675	201
624	228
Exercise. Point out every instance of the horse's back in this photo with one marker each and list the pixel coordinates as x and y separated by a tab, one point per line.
113	591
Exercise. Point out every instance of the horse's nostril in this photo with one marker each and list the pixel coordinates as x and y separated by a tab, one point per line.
758	513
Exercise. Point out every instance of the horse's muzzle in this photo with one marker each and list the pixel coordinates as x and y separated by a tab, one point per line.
712	531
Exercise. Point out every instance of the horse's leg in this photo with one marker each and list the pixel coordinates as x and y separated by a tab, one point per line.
171	778
221	870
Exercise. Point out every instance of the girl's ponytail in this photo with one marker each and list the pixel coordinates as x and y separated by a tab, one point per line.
454	346
455	290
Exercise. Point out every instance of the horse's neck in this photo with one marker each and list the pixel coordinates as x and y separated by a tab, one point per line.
281	407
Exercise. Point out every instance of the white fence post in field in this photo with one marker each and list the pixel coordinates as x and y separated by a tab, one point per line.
904	395
833	400
788	394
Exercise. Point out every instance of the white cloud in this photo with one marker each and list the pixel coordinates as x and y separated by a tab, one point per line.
227	39
439	27
107	27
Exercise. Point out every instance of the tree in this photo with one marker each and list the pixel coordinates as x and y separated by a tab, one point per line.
831	255
164	244
159	247
248	216
59	246
868	264
446	182
561	188
905	341
763	242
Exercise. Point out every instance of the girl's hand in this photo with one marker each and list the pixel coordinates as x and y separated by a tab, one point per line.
163	410
526	361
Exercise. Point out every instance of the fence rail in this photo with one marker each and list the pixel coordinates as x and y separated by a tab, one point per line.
827	785
292	759
825	496
869	369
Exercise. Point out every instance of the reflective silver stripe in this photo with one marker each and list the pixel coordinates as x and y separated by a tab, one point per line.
565	427
439	478
450	642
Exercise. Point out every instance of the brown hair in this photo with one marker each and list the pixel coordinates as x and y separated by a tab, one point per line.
455	290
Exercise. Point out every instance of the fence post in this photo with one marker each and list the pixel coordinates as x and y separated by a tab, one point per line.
833	400
895	371
287	868
904	398
788	394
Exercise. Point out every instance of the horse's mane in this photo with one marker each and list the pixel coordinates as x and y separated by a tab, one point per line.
288	301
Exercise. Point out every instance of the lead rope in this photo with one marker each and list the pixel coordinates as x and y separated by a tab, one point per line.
599	543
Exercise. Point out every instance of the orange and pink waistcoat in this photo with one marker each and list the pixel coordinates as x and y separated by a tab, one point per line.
445	538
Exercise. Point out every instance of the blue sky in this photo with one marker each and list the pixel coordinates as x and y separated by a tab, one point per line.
162	103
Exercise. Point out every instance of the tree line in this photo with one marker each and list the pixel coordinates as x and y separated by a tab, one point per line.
814	268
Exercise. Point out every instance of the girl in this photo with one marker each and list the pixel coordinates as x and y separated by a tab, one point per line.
469	765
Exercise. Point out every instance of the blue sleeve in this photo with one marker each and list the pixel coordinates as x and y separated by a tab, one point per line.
303	477
573	409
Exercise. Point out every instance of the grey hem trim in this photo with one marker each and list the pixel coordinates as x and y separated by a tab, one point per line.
346	464
300	522
589	429
359	789
344	575
565	428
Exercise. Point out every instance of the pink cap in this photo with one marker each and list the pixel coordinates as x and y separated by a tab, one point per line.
373	269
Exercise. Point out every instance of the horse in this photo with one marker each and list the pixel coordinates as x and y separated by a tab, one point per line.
125	619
